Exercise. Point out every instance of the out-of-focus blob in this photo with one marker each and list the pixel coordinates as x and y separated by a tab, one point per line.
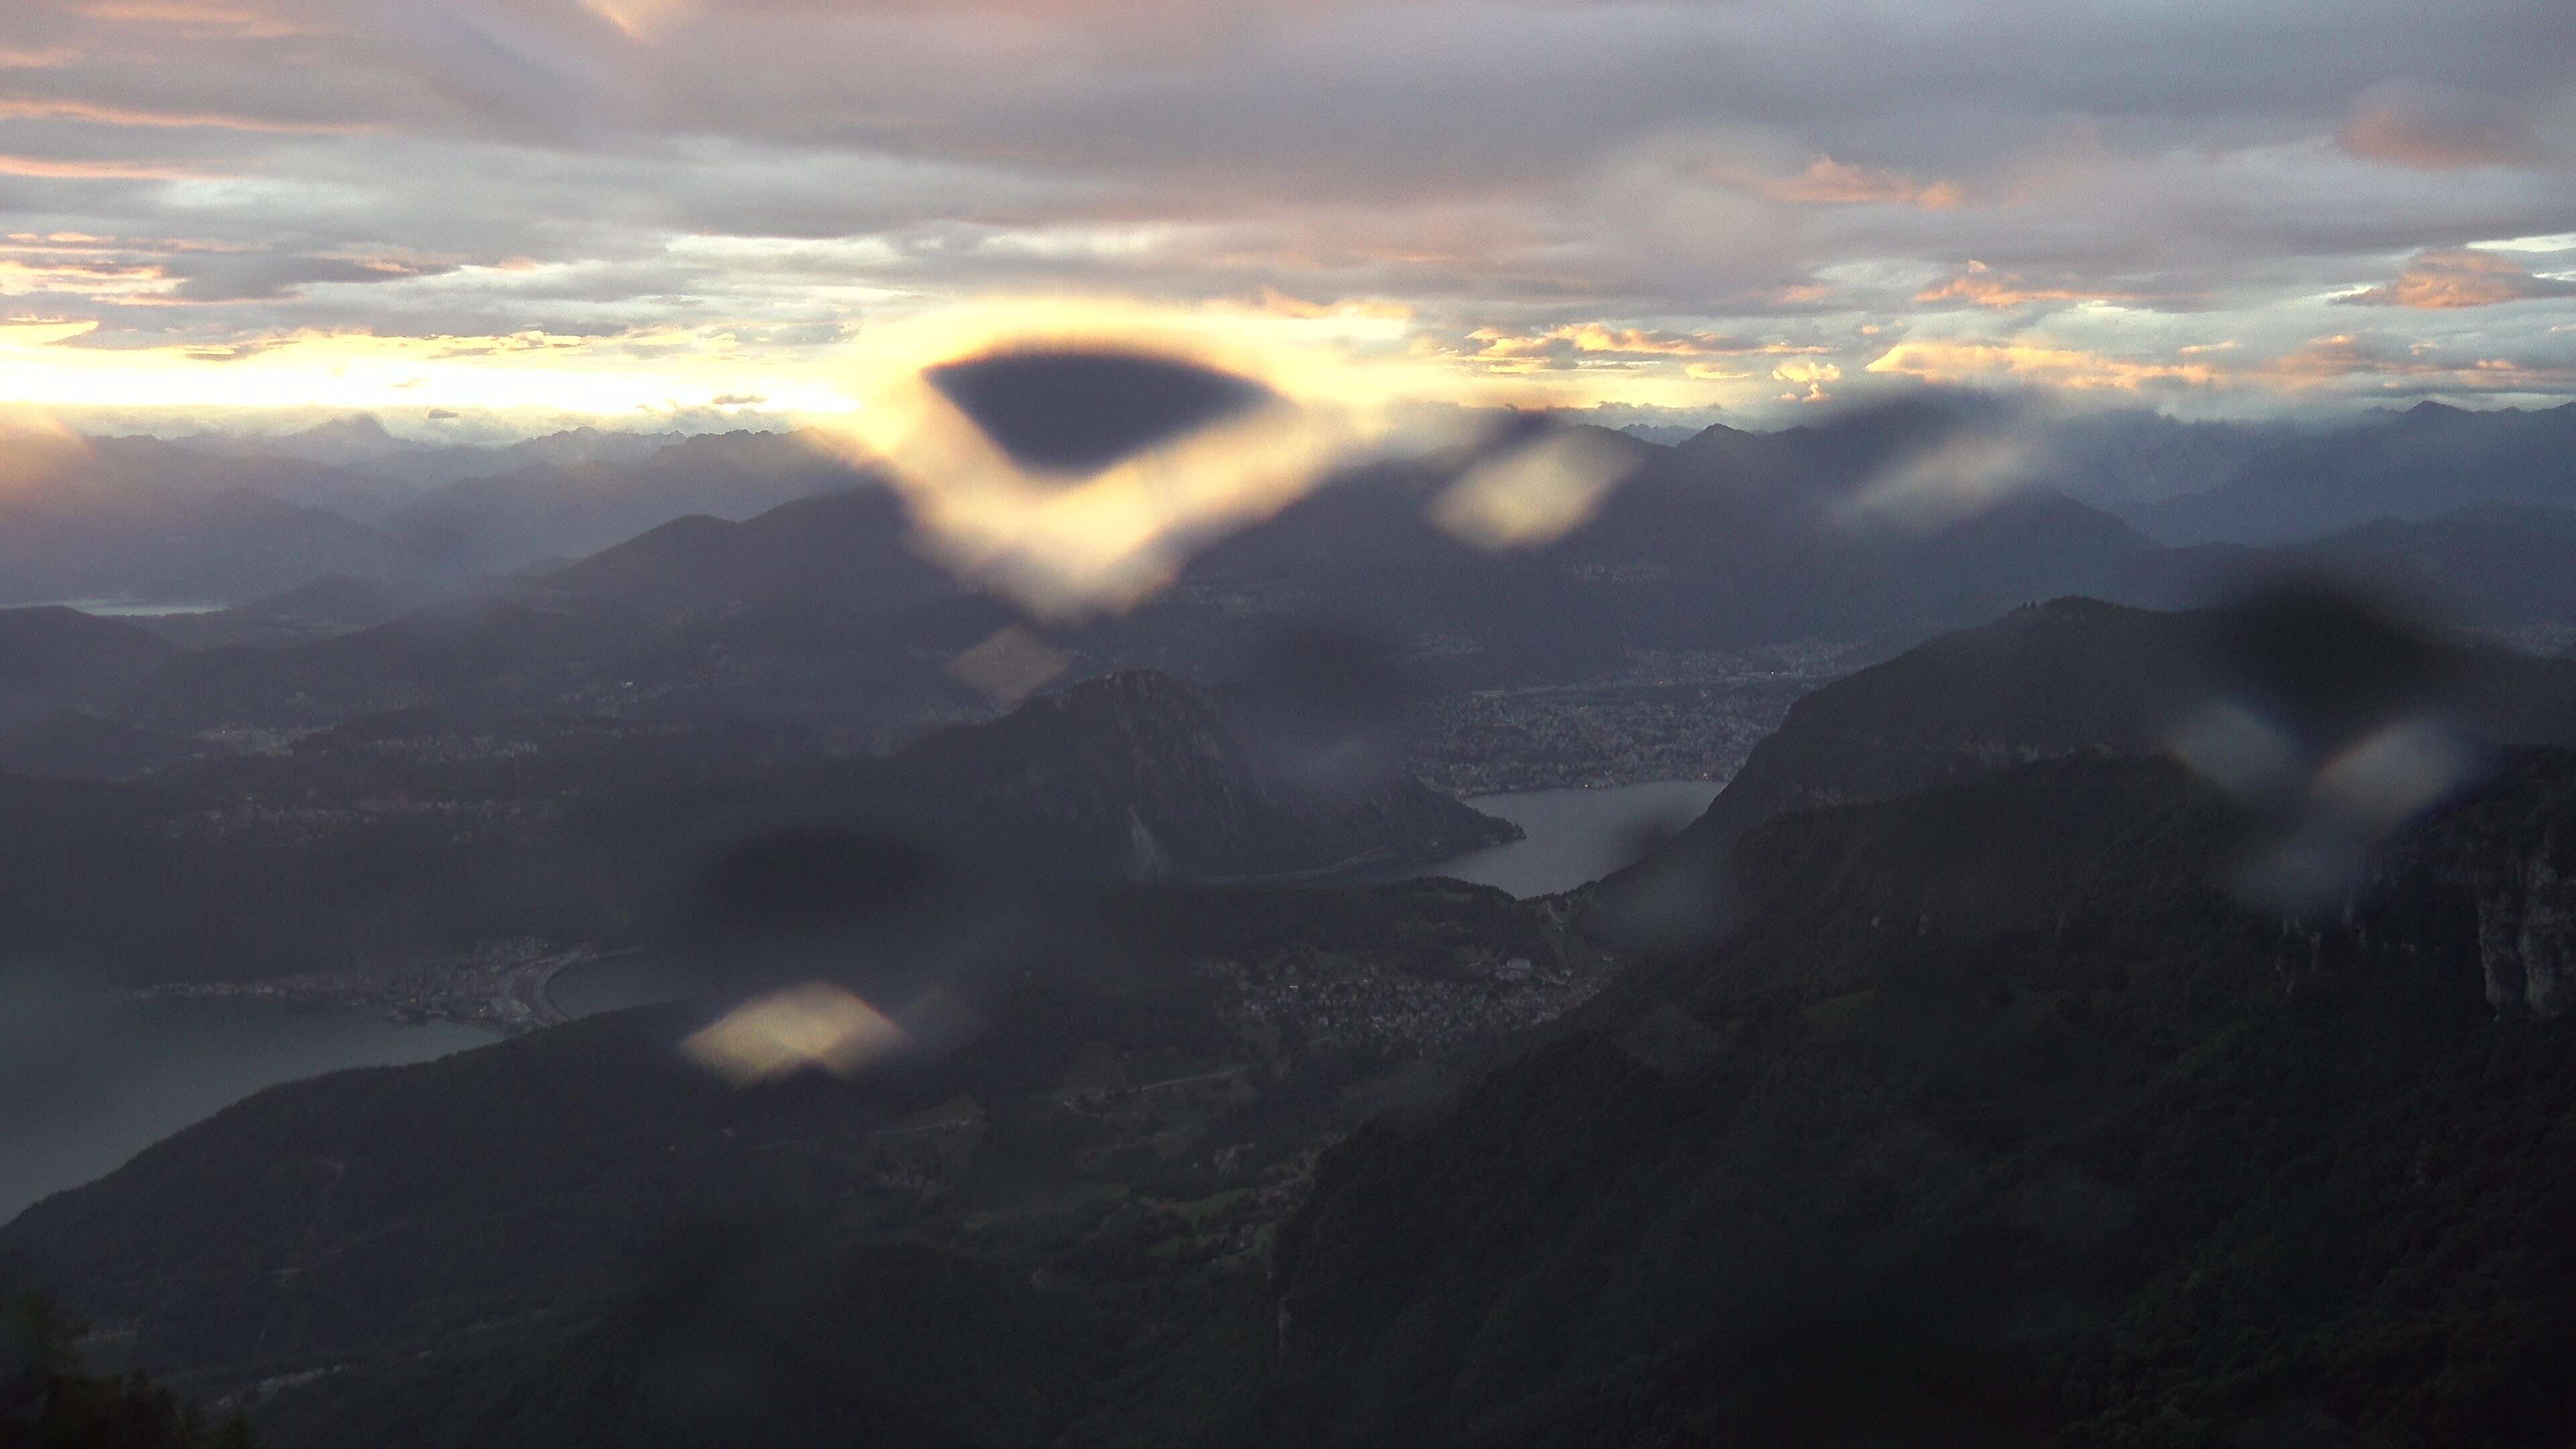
1075	412
886	916
1078	478
1009	665
2388	777
2329	720
1956	477
816	1026
1674	900
2326	662
1321	704
1640	839
794	926
1536	492
2361	796
2241	752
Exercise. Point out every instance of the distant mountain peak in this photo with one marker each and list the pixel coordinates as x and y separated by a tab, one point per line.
2431	411
349	425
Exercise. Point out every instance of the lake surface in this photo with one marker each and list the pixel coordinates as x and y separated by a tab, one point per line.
1574	836
87	1083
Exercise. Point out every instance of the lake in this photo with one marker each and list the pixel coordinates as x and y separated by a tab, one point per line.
86	1083
135	608
1574	836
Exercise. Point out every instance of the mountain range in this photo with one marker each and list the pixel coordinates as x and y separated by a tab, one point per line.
2428	460
2000	1109
1884	525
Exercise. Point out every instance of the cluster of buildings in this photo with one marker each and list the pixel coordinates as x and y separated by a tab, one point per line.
1374	1008
1665	716
500	986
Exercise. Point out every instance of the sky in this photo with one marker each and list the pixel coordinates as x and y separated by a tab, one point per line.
644	209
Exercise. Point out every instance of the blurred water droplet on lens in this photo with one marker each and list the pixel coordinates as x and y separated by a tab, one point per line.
2383	781
1077	479
886	917
2332	725
1536	492
2240	751
2325	661
817	1025
1954	478
1078	411
1323	701
1009	665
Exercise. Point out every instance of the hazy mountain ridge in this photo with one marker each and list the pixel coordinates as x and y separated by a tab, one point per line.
495	523
190	521
2430	459
2500	567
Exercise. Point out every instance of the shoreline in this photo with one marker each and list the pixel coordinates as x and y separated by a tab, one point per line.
507	989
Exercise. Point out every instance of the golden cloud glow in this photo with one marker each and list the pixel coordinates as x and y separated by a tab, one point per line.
53	168
1358	363
2441	280
2080	371
85	279
1810	374
331	370
2413	366
1828	182
38	333
2399	129
1575	344
195	16
1987	288
1593	337
70	110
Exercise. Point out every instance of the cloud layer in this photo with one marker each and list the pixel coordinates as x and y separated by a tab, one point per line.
1746	206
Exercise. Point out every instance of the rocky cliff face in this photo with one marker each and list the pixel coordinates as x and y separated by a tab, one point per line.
1998	1119
2526	904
